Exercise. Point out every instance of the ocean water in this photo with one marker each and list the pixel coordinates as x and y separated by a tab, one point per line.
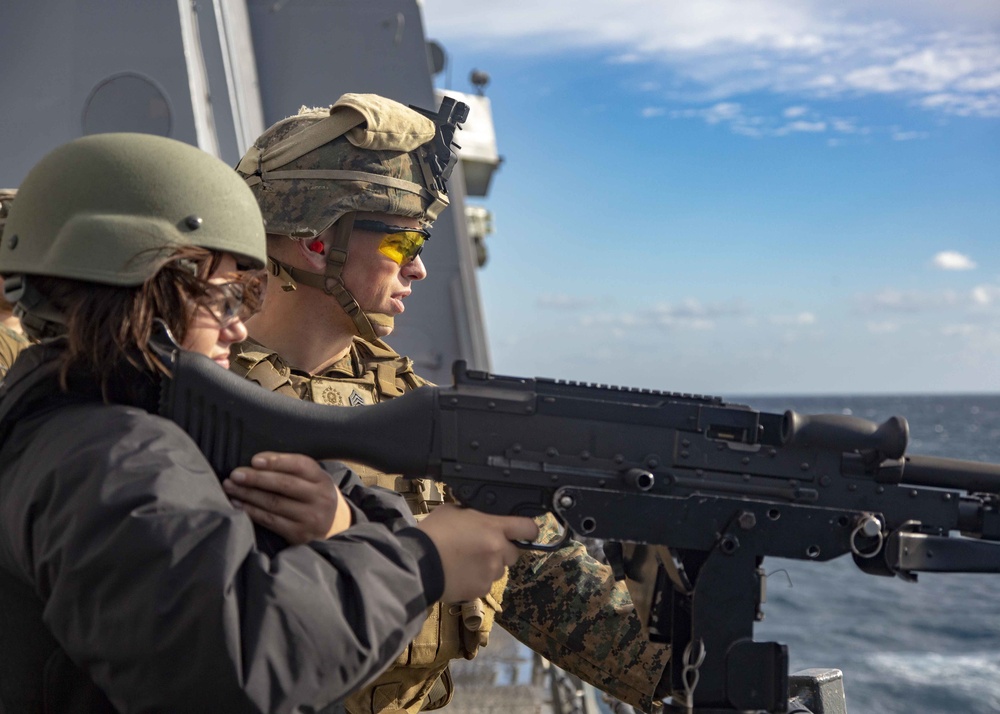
905	648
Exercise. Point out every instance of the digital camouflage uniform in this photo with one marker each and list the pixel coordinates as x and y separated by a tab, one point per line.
310	174
564	605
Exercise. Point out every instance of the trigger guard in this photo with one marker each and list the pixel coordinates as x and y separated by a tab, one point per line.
548	547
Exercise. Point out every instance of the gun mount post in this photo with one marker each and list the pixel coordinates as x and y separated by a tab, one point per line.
704	604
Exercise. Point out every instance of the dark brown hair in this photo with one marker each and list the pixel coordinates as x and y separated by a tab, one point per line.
108	328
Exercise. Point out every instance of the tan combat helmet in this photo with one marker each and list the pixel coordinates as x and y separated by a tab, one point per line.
366	153
108	208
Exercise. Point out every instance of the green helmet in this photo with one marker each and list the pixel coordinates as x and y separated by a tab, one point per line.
107	208
365	153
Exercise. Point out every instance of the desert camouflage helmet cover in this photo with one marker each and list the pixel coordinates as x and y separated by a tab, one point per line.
365	153
6	198
108	208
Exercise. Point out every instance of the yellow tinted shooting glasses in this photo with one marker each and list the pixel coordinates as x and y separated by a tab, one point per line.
400	244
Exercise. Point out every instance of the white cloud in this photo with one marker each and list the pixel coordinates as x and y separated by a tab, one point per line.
563	302
690	314
693	308
961	330
986	295
802	126
981	299
909	301
626	58
802	318
739	121
650	112
944	57
794	112
730	114
724	111
848	125
898	135
963	105
947	62
982	83
952	260
882	328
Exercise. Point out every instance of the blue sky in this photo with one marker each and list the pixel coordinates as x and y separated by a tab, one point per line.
741	196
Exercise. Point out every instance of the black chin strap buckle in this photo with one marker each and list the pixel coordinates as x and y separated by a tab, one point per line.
280	271
163	343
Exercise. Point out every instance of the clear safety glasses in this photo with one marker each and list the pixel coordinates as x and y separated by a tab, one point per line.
238	299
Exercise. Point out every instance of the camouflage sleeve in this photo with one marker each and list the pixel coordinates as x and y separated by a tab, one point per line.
11	343
567	606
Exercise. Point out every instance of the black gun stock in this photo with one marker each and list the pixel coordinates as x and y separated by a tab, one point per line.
232	419
700	490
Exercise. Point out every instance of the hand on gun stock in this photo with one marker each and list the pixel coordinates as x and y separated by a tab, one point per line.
290	494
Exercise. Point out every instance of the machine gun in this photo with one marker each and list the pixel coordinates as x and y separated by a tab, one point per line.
698	491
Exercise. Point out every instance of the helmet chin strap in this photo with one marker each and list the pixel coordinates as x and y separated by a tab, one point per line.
380	319
39	317
331	281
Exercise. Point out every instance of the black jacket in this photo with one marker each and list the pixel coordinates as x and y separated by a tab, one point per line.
128	582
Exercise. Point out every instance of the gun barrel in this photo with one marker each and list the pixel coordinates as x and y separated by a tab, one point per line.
973	476
846	433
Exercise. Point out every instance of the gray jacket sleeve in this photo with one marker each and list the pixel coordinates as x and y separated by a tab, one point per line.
152	583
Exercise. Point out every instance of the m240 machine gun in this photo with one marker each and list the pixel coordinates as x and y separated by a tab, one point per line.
696	490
